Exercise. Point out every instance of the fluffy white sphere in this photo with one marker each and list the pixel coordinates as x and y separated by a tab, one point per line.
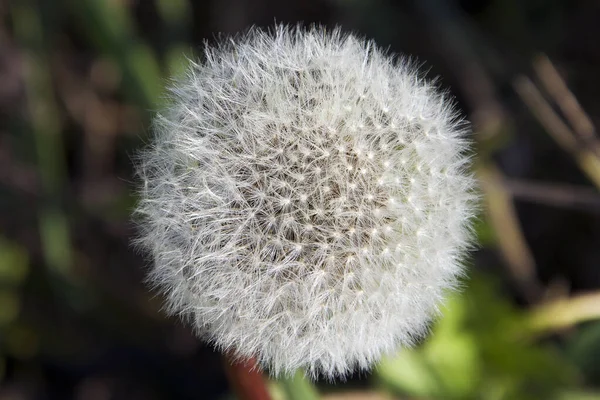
305	200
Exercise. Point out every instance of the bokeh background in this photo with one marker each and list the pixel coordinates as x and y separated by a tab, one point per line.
79	83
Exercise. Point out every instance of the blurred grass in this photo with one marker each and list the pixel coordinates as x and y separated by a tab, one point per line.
47	130
108	25
484	346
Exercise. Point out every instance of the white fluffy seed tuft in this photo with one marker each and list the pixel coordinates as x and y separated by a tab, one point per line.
306	200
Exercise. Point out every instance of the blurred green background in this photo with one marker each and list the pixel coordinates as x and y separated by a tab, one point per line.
79	83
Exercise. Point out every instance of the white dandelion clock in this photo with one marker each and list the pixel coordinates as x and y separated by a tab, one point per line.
306	200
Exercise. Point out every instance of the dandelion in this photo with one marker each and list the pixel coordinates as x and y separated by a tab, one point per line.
306	200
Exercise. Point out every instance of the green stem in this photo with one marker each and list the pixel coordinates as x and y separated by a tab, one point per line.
298	387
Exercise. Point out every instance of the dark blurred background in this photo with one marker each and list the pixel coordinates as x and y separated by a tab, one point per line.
79	83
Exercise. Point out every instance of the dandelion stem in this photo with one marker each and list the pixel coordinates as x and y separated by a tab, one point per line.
246	379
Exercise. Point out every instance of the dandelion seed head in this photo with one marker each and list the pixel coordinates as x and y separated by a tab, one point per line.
292	199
